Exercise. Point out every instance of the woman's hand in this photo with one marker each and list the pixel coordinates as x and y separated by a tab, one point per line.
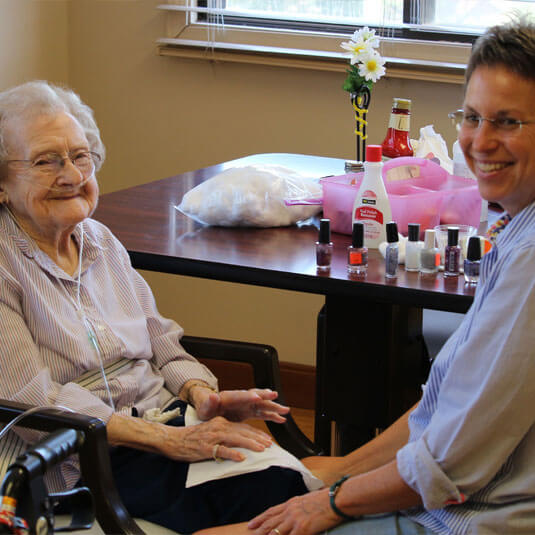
238	405
303	515
197	442
192	443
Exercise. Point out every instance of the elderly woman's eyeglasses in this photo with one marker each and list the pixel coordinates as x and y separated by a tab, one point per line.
51	165
471	120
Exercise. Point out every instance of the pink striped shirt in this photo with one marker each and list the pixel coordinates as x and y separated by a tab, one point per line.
47	358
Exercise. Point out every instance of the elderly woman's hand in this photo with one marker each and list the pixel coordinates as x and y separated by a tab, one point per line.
239	405
215	438
207	440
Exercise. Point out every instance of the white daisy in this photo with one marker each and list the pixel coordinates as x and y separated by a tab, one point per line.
367	35
358	49
372	66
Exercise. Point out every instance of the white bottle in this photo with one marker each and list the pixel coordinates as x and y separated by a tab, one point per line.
461	169
372	206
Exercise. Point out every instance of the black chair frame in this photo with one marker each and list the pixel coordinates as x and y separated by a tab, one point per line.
94	453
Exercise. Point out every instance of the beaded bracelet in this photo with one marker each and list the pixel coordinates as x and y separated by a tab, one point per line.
333	491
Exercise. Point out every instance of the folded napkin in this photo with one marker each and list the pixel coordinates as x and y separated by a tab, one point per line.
255	461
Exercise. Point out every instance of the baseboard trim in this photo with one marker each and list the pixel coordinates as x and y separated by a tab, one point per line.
298	380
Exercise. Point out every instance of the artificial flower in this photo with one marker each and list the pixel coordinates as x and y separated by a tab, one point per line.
367	65
372	67
358	48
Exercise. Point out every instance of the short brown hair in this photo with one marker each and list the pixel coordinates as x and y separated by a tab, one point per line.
511	45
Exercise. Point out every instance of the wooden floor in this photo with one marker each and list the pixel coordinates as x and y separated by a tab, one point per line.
304	418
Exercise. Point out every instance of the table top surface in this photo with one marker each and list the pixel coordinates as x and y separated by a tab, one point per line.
159	237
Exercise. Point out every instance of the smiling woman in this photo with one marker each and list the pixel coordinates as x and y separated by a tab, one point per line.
80	329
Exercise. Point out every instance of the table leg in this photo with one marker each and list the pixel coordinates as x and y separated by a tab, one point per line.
371	362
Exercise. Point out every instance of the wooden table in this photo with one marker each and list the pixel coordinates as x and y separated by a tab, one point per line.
371	358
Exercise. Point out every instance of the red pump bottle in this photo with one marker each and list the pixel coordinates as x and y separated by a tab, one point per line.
397	142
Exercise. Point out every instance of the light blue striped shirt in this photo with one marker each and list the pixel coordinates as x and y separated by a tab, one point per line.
471	452
47	358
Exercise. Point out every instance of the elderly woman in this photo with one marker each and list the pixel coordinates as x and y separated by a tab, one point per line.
462	461
80	329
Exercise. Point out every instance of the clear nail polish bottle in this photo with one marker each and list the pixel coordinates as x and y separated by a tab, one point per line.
392	250
324	247
452	253
357	254
472	261
429	254
412	248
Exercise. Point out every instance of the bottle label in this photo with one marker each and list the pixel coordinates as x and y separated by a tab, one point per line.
355	259
369	197
372	219
400	122
366	213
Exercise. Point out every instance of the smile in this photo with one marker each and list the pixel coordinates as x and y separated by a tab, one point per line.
489	167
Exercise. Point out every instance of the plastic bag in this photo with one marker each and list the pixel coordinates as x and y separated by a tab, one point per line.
432	146
251	196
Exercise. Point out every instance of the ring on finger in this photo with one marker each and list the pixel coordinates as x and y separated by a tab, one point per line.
214	454
276	531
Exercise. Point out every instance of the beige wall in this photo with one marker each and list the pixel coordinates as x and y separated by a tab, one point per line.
160	116
33	41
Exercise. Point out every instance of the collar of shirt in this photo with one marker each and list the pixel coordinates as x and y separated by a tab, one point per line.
91	249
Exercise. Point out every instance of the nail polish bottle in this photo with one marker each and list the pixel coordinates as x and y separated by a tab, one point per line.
452	253
429	254
412	248
357	254
472	261
392	250
324	247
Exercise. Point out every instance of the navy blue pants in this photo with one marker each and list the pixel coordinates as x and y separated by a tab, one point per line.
153	487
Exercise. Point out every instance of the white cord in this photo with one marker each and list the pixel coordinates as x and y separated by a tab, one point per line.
13	422
89	330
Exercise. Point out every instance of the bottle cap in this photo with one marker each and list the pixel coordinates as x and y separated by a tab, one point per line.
429	239
392	232
374	153
358	234
325	231
453	236
414	231
402	104
474	249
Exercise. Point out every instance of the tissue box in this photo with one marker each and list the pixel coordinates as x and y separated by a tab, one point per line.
419	191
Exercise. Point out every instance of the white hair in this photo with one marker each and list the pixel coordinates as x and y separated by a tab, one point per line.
43	98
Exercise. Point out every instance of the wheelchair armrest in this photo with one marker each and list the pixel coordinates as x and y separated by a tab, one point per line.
94	460
265	364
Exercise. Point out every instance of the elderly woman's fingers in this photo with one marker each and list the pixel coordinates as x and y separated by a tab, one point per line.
238	405
198	442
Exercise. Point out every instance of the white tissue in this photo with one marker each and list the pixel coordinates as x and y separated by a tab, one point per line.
204	471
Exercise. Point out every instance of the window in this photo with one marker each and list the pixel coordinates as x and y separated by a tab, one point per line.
428	39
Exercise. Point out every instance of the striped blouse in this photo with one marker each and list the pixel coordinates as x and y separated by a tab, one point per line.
47	357
471	452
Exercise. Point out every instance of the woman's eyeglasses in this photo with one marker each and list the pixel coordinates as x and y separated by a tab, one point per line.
471	120
52	164
46	167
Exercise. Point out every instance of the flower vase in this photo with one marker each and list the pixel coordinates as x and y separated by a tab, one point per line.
360	100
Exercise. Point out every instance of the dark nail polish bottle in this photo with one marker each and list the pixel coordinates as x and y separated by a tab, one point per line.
357	254
452	253
324	247
473	259
392	250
